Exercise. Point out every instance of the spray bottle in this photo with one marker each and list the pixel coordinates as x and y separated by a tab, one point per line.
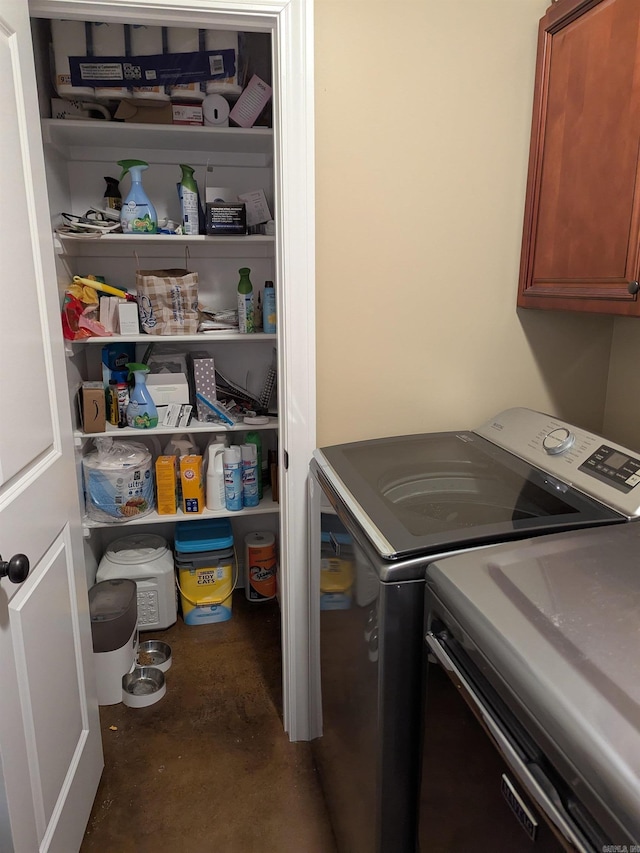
138	215
112	197
189	201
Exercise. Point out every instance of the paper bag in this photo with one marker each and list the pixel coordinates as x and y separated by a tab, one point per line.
168	301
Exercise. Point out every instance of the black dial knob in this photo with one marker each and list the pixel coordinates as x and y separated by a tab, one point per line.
633	287
16	569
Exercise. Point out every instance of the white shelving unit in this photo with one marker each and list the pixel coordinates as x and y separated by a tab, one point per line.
81	150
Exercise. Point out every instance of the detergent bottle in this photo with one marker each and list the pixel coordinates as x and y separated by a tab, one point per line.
138	215
141	411
189	201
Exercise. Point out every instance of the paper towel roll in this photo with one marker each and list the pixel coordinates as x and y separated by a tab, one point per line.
69	39
108	40
215	110
183	40
147	41
223	40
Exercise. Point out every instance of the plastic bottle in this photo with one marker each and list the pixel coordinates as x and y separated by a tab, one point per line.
189	201
269	308
253	437
232	460
215	476
245	301
112	402
122	388
112	195
181	444
141	411
249	453
138	215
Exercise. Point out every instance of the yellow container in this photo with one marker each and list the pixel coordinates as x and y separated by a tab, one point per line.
206	581
336	582
166	484
192	480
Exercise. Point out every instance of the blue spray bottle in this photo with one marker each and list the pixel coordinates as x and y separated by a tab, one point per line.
138	215
141	411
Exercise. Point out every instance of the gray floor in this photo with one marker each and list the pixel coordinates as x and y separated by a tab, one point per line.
209	767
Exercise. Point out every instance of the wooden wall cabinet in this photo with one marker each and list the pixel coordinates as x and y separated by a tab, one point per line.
581	240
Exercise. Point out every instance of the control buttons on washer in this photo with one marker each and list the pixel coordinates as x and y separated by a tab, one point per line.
558	440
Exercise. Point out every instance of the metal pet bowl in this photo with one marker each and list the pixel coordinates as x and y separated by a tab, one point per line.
154	653
143	686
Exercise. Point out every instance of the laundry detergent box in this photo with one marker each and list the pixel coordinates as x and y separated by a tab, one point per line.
192	481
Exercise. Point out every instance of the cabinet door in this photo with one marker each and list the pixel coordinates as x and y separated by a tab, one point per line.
582	215
50	745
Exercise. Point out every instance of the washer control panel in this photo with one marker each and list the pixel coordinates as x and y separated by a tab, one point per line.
612	466
605	471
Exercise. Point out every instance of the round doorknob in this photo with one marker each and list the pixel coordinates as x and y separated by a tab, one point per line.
633	287
16	569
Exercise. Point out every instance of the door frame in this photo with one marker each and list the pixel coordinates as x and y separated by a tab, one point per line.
290	23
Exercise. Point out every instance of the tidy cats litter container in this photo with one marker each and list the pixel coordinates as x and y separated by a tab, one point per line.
205	568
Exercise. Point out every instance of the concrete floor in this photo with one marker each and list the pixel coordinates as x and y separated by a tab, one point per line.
209	766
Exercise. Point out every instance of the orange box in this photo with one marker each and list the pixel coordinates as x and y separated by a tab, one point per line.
166	482
192	480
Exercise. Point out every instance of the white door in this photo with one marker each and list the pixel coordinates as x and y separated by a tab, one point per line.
50	747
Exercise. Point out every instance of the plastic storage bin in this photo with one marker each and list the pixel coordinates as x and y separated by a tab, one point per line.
206	570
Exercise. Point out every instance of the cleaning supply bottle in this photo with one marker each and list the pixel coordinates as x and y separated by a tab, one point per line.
269	309
232	460
215	490
245	301
249	454
141	411
189	201
112	195
253	437
138	215
122	389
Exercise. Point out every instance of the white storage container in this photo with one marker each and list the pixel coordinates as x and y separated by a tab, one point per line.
147	560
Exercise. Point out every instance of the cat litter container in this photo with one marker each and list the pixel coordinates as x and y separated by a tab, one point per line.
206	570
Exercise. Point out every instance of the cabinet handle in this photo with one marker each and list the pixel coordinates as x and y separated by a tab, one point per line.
633	287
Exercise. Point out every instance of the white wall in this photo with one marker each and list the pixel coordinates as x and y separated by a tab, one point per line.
423	113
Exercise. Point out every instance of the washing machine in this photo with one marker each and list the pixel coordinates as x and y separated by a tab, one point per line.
389	507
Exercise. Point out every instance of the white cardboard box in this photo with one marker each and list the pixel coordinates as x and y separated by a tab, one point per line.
168	388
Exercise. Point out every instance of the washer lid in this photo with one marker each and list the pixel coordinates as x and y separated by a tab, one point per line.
558	617
138	548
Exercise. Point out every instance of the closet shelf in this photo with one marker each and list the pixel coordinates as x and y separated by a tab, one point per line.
70	137
265	507
201	338
194	427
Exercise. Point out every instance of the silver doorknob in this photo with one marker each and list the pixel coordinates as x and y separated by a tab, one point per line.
16	569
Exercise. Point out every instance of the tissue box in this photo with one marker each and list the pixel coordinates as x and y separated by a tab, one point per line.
187	113
204	377
168	388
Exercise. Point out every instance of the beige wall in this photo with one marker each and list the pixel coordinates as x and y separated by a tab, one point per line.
622	413
423	111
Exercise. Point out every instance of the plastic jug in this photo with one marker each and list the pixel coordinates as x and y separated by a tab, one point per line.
215	476
181	444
